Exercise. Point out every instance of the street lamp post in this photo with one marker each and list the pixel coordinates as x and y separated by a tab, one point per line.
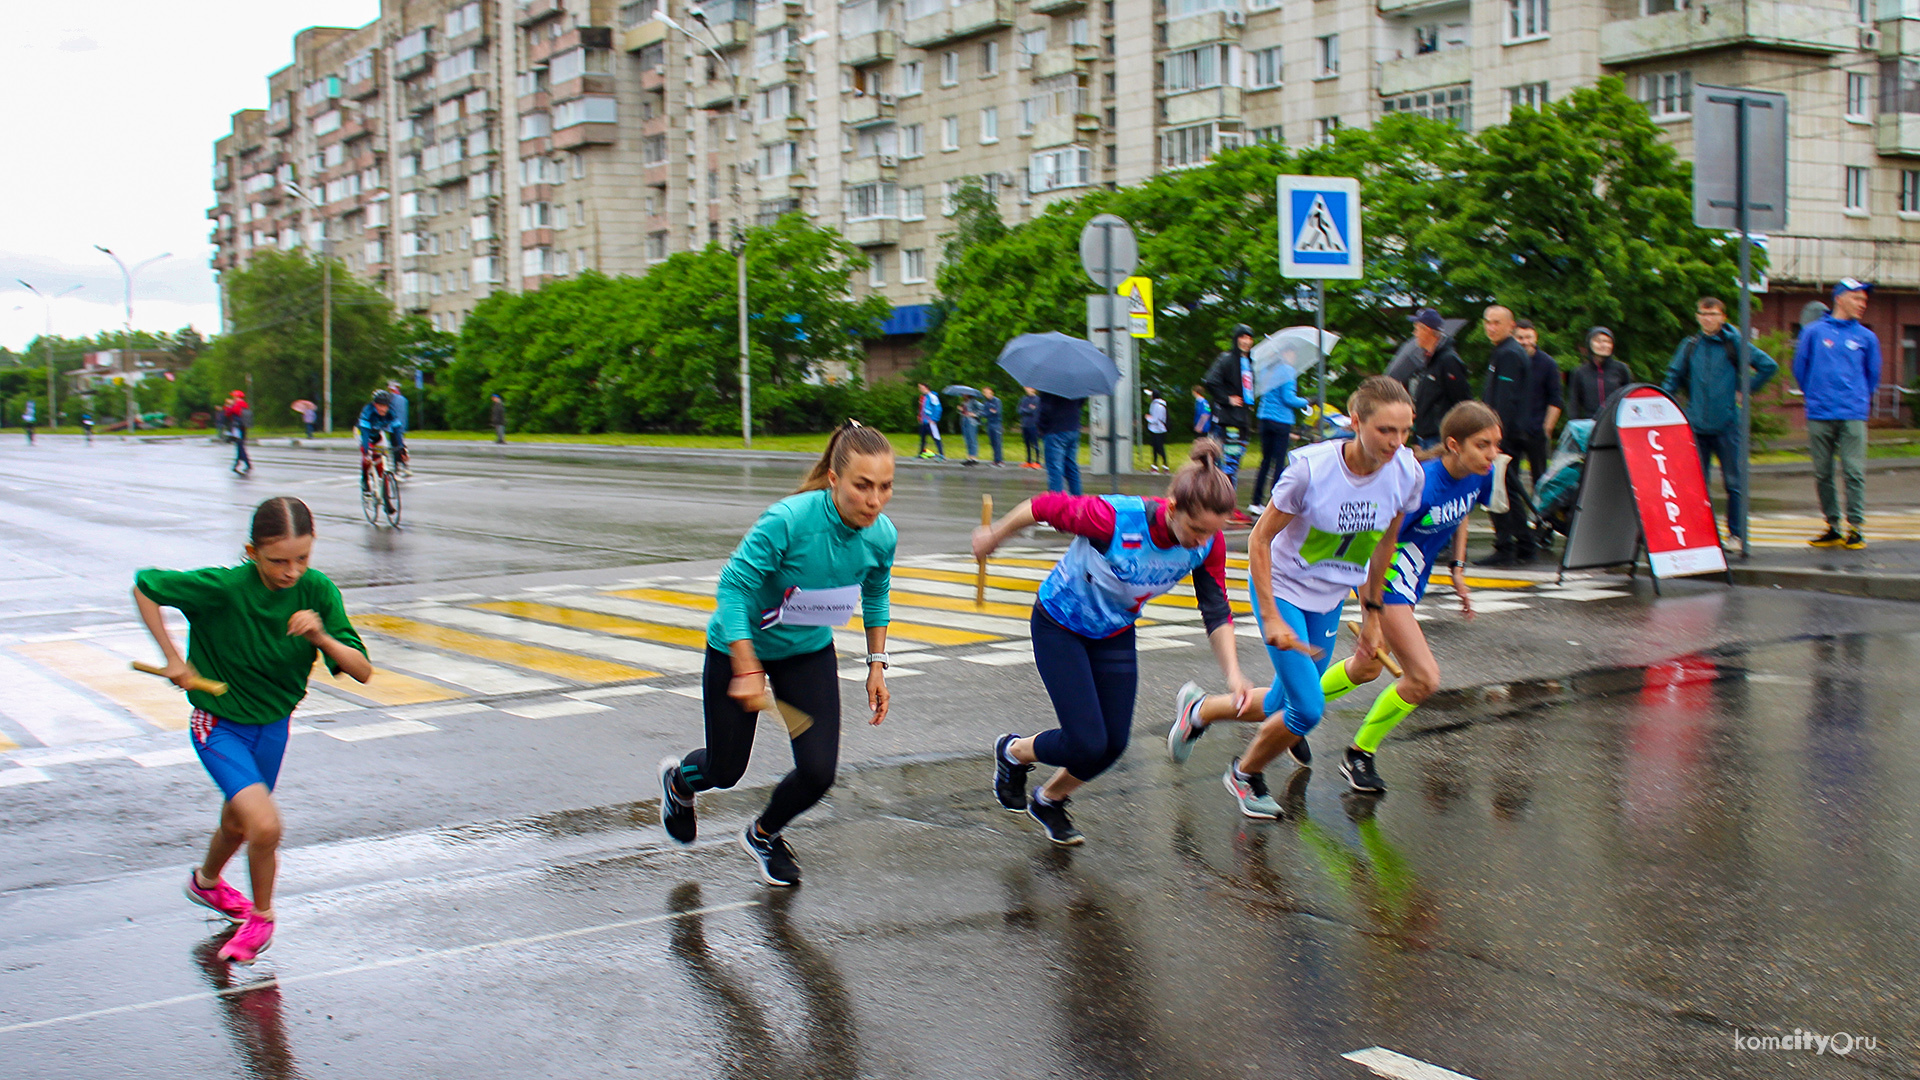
126	346
326	311
53	411
740	247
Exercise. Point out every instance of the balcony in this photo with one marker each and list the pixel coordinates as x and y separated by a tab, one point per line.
635	38
1446	68
1054	7
1222	103
1897	134
769	17
1051	63
413	65
1052	131
960	21
863	49
590	83
537	11
363	89
1193	30
1766	24
873	232
871	170
590	37
585	135
717	94
869	110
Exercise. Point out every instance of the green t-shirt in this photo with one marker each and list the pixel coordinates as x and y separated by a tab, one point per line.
800	542
238	635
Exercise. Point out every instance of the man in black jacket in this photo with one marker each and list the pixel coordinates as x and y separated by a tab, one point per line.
1508	389
1437	381
1229	383
1597	377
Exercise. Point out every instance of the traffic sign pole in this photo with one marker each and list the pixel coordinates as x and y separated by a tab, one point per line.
1319	220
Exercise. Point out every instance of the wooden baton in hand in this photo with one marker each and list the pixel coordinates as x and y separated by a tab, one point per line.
208	686
1386	655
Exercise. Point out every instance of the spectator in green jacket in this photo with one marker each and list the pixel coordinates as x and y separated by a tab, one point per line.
1706	368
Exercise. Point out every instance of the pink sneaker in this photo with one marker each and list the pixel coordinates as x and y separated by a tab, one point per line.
222	898
249	941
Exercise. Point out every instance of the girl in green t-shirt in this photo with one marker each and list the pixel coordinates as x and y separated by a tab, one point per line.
256	627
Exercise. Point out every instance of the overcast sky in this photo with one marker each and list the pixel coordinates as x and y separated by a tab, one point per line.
112	110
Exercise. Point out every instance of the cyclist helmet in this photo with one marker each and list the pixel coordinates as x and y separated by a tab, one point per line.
381	397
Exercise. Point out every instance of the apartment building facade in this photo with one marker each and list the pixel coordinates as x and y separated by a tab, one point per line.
453	148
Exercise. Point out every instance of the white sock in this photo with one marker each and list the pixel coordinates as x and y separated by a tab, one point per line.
1243	777
1041	798
1006	755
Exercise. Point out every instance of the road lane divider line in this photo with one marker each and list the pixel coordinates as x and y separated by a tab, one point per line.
378	965
1384	1062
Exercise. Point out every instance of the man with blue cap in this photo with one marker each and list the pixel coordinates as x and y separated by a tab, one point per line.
1837	364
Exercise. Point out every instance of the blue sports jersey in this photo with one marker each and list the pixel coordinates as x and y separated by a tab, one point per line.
1098	594
1444	504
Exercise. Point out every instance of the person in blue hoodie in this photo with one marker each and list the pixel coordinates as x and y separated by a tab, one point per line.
1837	364
1276	415
1707	367
930	424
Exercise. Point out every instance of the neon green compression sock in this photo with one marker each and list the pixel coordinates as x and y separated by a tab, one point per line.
1387	712
1336	682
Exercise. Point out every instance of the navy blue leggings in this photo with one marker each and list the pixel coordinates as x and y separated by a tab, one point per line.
1092	683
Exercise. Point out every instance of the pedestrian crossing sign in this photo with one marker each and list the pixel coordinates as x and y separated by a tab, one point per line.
1320	227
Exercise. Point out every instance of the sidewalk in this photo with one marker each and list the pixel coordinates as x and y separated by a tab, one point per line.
1886	570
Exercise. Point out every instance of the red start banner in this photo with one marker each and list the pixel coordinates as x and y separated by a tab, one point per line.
1663	464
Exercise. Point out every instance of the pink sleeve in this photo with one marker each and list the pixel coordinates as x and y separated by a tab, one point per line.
1082	515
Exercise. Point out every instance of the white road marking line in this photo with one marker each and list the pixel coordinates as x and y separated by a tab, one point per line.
1156	644
551	588
317	704
461	671
547	710
1384	1062
693	692
452	598
381	965
362	732
1012	646
54	714
11	777
434	712
643	654
157	759
611	691
69	757
1005	659
859	674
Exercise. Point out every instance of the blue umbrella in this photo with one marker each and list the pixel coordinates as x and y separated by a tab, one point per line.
1057	364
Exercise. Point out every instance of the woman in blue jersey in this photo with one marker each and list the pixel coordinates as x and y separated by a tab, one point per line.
1329	529
1127	550
1468	473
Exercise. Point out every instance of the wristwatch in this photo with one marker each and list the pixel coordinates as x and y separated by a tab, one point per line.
1458	564
1373	605
878	658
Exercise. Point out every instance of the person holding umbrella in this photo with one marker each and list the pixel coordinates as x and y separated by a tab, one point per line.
1066	371
308	414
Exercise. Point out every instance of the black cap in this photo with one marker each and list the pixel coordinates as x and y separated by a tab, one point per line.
1428	318
1243	328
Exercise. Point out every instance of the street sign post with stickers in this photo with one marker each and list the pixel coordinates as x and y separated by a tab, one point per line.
1320	239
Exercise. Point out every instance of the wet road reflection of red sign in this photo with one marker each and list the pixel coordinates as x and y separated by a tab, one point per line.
1669	487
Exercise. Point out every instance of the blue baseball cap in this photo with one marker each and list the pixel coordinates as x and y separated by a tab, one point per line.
1428	318
1847	285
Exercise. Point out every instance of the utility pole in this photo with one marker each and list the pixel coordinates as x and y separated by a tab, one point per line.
126	346
326	308
46	339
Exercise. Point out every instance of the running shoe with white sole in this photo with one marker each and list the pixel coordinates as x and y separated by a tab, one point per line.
1302	753
1054	819
676	810
777	866
1357	766
1009	780
230	902
249	941
1186	729
1252	795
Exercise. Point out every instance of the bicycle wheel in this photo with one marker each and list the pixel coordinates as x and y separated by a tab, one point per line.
370	497
390	494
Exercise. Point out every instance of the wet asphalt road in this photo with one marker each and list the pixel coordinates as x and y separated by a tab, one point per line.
1630	830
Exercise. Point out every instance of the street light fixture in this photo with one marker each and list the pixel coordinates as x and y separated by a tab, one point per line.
740	248
126	346
53	411
326	309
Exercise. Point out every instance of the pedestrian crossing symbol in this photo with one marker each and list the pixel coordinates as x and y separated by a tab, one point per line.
1320	227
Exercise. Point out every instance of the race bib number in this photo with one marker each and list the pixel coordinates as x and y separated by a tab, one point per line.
815	607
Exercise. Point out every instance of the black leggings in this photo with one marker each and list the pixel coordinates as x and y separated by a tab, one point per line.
1274	440
1092	682
810	683
1158	441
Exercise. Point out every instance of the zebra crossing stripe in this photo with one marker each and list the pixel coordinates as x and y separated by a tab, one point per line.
385	688
541	658
156	701
463	672
669	596
601	622
53	714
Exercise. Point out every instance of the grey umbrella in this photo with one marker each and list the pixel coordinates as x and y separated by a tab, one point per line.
1057	364
958	390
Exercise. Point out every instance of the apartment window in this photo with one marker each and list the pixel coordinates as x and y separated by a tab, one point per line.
950	133
1453	103
579	162
451	151
774	104
573	63
1661	7
1862	12
1194	69
1668	94
458	65
913	140
771	48
948	189
877	270
360	68
989	125
334	155
1181	147
1201	7
913	265
912	77
1857	93
1032	43
327	122
535	262
1527	95
1067	167
536	215
480	226
1329	55
779	159
482	184
920	9
653	150
1264	135
1263	5
872	201
656	246
989	59
462	19
880	140
477	143
1856	194
861	17
949	69
1526	20
1264	68
1910	191
1324	130
913	204
586	110
534	125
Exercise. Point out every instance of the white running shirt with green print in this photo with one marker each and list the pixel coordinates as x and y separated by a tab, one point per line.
1338	519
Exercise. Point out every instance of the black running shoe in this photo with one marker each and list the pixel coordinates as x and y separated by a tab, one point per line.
1009	781
1829	539
775	857
1357	767
1302	753
676	808
1053	818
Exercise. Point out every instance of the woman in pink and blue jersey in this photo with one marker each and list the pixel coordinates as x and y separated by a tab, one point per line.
1127	550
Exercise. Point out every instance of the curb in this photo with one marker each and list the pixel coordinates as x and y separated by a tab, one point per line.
1870	586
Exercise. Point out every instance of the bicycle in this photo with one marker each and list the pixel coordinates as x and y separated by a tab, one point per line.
380	489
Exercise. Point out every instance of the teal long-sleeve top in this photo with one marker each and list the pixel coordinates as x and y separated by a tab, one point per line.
800	542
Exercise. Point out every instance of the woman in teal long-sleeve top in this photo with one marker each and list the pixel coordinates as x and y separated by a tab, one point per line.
811	561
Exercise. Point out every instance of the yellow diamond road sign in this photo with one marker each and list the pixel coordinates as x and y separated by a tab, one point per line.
1139	294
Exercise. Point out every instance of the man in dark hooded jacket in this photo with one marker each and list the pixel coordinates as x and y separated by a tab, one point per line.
1229	383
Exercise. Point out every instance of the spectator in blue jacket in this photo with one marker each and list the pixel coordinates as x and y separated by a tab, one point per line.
1707	367
1837	365
1277	415
930	423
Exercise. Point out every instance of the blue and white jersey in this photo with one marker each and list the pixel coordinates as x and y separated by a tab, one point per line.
1427	531
1098	594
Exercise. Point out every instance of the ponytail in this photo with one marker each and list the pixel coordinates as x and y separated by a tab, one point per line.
1200	485
848	439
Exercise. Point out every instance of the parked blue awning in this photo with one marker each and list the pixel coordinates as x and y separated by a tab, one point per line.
908	319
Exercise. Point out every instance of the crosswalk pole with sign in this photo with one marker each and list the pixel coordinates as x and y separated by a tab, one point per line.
1319	221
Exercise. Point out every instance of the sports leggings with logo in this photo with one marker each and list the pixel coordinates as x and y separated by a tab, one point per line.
810	683
1092	683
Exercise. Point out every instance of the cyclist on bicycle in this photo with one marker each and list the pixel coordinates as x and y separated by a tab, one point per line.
399	403
376	419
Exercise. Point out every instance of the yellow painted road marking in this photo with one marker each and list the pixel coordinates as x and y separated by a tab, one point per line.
7	744
385	688
1240	607
669	596
931	635
532	657
955	603
156	701
580	619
